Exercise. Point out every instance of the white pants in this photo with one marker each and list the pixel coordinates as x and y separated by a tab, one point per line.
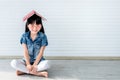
20	65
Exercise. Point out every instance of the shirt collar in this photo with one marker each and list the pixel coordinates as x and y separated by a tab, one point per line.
39	35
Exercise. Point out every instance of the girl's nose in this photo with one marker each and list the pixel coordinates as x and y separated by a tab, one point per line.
34	27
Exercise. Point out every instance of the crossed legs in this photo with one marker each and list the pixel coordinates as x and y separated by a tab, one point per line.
21	69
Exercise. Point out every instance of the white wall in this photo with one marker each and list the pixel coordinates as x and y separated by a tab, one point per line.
73	27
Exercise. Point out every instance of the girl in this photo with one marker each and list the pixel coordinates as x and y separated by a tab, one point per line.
34	42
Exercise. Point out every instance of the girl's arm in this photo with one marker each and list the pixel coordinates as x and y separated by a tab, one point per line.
26	55
39	55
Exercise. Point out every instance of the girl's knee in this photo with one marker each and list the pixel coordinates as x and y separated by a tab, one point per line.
44	64
13	63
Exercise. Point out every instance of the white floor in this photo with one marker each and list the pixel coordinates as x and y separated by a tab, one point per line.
69	70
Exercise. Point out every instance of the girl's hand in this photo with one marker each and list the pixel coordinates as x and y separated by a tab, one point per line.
34	69
29	68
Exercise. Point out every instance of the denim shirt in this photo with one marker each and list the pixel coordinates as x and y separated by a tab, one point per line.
34	46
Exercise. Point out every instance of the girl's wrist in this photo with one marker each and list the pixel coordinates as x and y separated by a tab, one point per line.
34	64
28	64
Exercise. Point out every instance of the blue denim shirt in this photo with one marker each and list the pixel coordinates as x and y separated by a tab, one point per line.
34	46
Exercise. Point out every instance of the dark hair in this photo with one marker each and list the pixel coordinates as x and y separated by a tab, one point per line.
32	19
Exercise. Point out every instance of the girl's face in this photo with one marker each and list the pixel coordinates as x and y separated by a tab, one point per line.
34	28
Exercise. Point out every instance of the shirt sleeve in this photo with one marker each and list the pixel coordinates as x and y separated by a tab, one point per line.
23	39
44	41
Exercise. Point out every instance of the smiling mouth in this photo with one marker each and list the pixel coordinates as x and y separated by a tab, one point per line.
34	31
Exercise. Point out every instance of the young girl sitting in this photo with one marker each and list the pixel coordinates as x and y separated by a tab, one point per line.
34	42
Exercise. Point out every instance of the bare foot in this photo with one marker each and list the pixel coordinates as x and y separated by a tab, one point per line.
44	74
41	74
19	73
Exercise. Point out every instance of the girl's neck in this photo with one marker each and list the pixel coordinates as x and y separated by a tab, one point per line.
33	36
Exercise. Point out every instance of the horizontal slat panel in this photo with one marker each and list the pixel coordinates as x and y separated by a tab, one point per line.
73	27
